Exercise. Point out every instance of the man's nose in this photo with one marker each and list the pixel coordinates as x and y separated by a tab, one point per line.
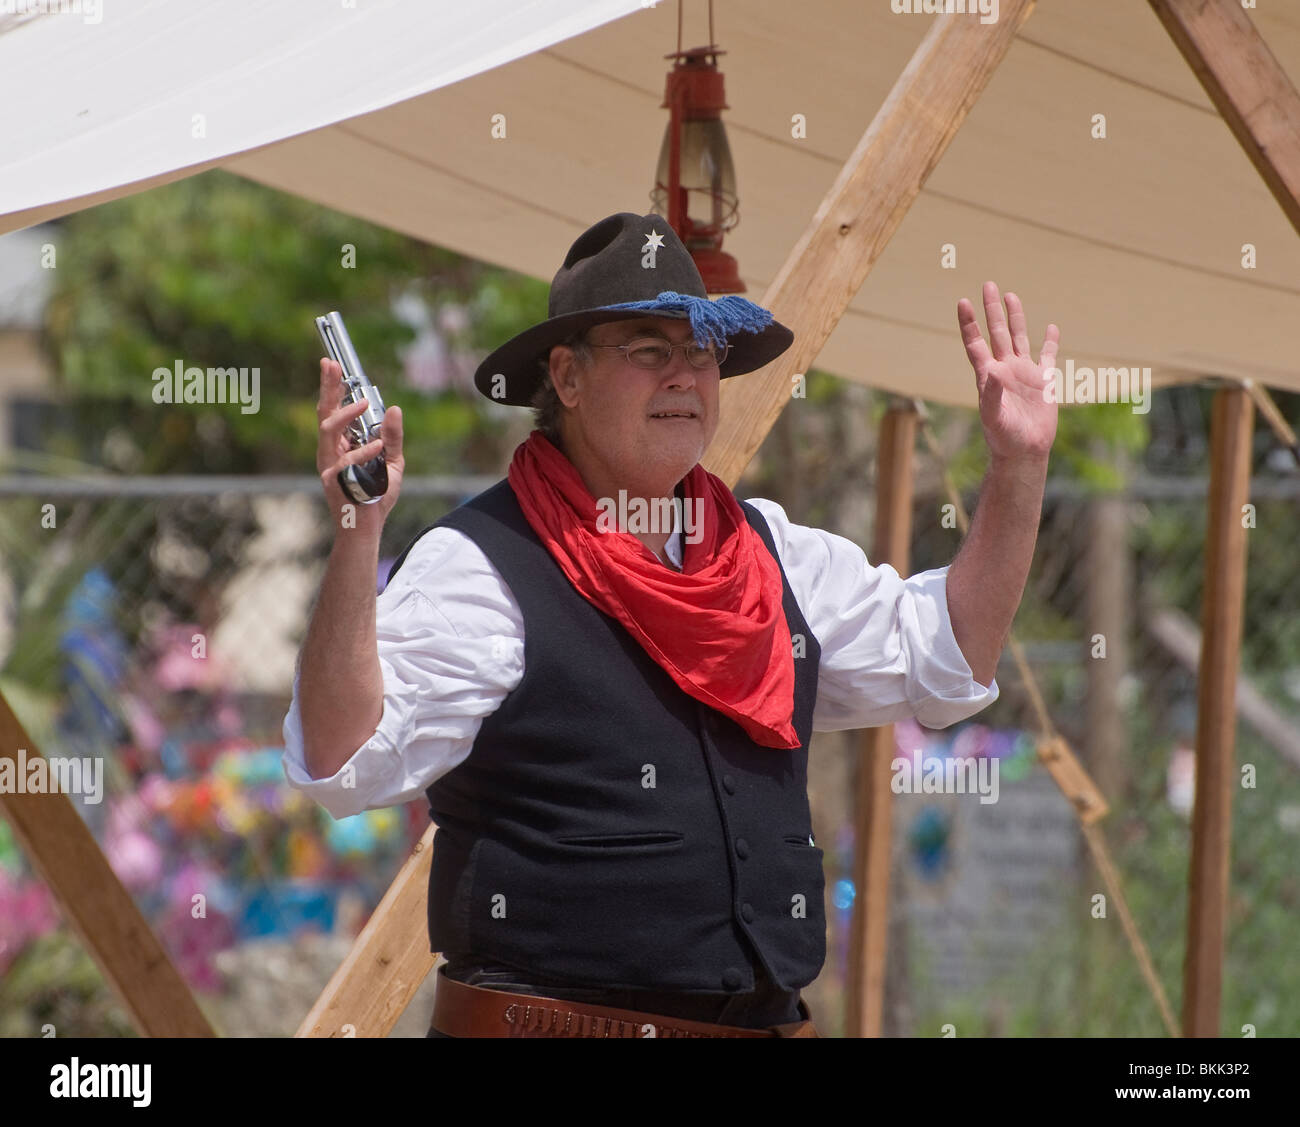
679	372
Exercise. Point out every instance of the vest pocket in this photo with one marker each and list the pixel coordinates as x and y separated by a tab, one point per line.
666	839
793	914
637	917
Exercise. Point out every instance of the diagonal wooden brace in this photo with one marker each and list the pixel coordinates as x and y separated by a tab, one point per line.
60	845
1074	781
1246	84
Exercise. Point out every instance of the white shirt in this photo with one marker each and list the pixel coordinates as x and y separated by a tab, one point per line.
451	646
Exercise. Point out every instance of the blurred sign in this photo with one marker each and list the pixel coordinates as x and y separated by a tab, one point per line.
980	884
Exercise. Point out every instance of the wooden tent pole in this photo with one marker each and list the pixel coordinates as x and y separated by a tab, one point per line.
60	845
1216	715
1260	105
865	986
827	266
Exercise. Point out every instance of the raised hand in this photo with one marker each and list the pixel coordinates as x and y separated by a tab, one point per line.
1019	419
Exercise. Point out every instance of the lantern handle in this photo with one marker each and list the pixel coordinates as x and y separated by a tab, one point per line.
712	42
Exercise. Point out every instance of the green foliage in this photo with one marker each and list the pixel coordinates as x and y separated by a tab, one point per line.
55	982
1174	532
823	388
215	271
1087	435
505	304
1087	439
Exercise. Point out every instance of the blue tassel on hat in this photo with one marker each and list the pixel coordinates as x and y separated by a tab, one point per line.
711	321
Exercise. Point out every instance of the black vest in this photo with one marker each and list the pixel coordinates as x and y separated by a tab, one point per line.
609	829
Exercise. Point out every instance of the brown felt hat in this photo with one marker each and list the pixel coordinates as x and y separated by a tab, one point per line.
623	267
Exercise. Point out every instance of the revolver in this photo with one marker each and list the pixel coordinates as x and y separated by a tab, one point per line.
364	482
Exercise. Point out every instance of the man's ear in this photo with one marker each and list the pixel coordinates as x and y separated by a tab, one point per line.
564	374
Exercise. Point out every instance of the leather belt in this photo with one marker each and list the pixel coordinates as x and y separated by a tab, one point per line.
461	1010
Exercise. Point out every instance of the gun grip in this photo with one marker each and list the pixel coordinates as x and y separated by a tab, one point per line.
365	482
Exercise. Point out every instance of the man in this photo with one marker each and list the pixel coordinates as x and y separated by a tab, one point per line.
611	723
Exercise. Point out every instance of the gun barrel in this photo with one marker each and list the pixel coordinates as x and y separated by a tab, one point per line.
334	336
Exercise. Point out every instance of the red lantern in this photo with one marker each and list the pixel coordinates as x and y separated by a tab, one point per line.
695	183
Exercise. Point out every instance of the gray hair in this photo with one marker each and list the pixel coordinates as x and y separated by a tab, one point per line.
546	405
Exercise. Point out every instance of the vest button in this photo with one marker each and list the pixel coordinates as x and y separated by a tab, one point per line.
742	848
747	913
729	784
732	979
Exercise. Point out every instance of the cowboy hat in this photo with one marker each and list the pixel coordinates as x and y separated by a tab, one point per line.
623	267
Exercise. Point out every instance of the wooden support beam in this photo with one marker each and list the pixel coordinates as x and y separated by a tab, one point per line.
859	215
388	962
1108	572
1216	716
63	850
1245	82
873	798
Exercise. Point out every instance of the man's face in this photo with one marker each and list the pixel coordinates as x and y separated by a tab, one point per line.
614	432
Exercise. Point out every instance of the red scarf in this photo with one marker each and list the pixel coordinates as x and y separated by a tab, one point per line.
717	626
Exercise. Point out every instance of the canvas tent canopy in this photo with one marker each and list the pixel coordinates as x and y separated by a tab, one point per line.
1133	243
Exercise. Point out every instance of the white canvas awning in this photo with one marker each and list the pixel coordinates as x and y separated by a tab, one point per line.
1132	244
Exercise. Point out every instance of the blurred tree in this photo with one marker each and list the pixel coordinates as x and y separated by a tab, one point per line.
216	271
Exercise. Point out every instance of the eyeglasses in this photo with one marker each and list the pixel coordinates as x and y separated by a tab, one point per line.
655	354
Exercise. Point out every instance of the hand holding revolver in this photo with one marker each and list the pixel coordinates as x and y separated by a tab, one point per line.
334	451
340	647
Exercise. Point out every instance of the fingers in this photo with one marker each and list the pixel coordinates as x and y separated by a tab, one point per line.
977	351
329	474
332	437
334	420
331	395
991	398
1019	329
1051	341
391	431
331	388
999	337
360	454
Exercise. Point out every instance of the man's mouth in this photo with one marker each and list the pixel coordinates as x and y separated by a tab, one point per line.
673	415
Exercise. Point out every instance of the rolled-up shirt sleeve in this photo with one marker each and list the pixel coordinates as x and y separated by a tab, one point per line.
450	640
887	646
